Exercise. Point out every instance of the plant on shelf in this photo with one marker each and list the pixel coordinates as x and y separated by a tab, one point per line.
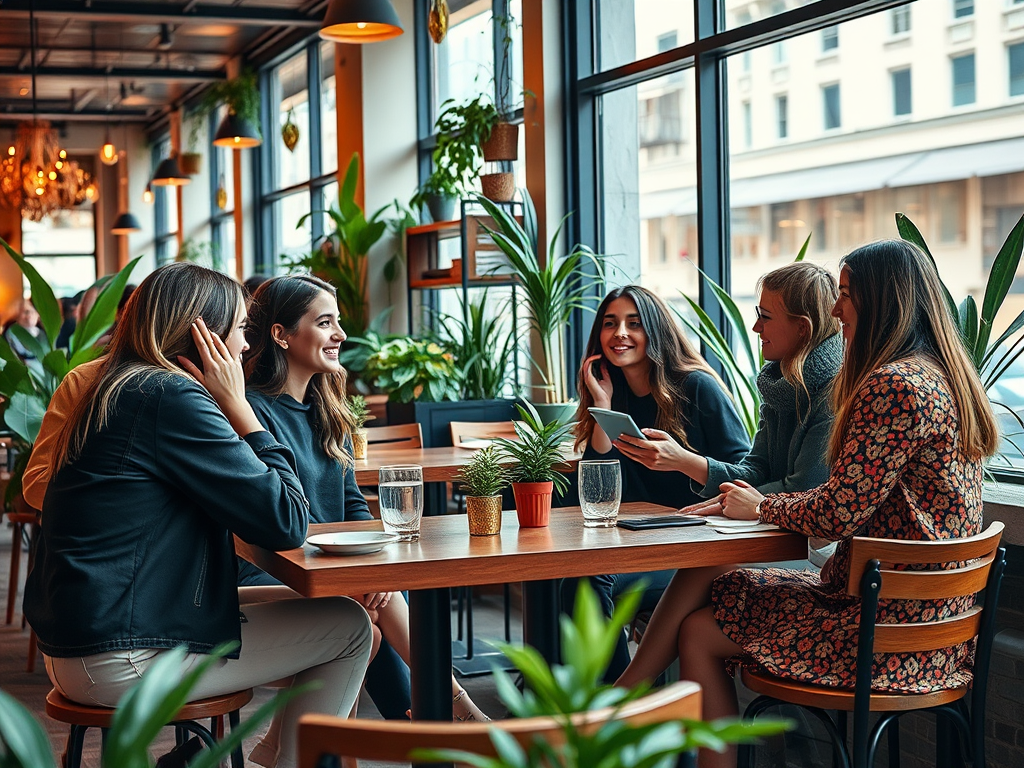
361	415
483	347
357	350
588	642
340	256
482	480
26	388
551	292
412	369
147	707
534	459
240	94
740	367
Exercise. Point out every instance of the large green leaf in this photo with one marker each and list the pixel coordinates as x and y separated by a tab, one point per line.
968	314
1000	278
909	232
24	415
101	316
29	342
24	740
42	295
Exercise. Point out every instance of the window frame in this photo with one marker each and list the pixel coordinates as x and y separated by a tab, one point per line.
953	60
826	95
893	73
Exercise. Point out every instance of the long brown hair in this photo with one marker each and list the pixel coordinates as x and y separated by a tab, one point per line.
807	291
154	330
284	301
672	358
902	313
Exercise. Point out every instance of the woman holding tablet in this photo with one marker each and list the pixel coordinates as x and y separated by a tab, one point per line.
803	351
296	386
639	362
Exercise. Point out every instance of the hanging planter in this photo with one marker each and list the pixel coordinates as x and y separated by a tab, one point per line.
437	20
222	194
190	163
290	131
499	187
502	144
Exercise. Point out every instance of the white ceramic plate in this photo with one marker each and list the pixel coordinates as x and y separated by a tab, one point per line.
353	542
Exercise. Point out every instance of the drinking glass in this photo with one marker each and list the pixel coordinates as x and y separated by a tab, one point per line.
600	491
400	488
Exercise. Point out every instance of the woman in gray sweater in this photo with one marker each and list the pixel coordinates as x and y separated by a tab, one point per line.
803	351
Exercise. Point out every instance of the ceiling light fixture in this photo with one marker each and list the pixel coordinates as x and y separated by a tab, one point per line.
125	224
108	152
168	174
237	132
147	195
360	21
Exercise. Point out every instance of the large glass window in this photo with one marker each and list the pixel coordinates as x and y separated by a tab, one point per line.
627	31
62	246
963	80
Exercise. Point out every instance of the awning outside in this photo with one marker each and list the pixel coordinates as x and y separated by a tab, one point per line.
929	167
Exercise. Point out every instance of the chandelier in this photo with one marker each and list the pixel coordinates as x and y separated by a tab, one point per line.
36	176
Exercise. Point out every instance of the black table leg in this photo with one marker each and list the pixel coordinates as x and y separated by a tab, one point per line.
540	618
431	624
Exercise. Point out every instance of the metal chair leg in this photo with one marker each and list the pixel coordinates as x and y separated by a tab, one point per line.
237	759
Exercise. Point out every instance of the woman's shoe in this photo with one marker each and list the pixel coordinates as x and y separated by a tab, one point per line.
464	710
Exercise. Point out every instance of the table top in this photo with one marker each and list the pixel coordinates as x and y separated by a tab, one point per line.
440	465
446	555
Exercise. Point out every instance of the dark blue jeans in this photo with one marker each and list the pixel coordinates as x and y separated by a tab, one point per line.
608	588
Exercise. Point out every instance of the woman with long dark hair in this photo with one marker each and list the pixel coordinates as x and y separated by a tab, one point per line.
639	362
159	462
912	426
296	386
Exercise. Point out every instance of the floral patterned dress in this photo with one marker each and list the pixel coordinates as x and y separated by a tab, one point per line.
901	475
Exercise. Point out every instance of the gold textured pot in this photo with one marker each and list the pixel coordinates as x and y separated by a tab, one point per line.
484	515
359	445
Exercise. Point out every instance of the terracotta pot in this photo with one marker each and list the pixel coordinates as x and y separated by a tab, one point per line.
484	515
359	445
190	163
499	187
533	503
503	143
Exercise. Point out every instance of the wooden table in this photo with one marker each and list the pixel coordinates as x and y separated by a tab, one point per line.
447	556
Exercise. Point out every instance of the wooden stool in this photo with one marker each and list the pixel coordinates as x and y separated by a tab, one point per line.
24	517
82	717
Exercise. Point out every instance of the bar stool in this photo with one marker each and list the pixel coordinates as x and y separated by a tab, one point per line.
82	717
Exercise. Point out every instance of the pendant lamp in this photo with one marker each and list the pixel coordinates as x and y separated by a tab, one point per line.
236	132
125	224
108	152
168	174
360	21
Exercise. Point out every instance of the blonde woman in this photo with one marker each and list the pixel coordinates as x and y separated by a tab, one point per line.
160	459
803	350
912	426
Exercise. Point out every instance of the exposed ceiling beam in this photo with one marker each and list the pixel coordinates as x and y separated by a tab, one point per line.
124	73
85	116
118	10
79	101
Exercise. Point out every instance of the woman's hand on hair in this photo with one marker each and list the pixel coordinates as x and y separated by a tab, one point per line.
659	452
222	377
740	500
600	389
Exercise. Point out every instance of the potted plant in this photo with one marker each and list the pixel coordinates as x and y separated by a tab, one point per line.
413	369
191	162
552	291
534	457
478	128
482	479
361	414
241	95
26	389
340	256
483	347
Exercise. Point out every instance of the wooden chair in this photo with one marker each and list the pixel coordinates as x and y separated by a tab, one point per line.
463	431
82	717
980	566
391	438
323	739
21	519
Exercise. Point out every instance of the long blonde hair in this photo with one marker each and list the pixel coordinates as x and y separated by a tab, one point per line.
807	291
284	301
901	312
154	330
672	357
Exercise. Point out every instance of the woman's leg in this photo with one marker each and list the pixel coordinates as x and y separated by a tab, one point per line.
393	621
703	649
689	590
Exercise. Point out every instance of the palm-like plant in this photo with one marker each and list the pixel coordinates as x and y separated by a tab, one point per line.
27	389
552	291
483	475
537	451
483	347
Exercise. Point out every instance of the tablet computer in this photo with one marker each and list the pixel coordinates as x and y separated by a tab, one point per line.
615	423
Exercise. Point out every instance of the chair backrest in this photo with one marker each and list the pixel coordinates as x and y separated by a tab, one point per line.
395	437
480	430
393	740
970	559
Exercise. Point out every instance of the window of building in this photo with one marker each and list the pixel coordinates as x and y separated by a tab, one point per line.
667	41
661	120
963	8
899	20
779	53
782	115
748	126
829	39
963	80
1016	65
901	93
165	209
830	103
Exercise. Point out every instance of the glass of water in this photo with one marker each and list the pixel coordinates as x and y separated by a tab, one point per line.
600	491
400	488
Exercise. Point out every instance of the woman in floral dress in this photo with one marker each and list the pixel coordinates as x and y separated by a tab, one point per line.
912	426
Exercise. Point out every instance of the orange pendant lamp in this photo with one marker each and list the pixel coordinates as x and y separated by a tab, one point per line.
360	21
